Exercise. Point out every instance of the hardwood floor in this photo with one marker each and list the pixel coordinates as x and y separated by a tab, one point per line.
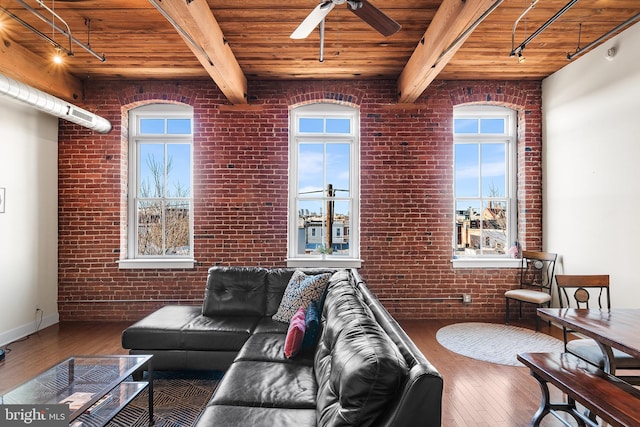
475	393
479	393
55	343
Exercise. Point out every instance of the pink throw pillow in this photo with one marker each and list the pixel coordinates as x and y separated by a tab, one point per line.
295	334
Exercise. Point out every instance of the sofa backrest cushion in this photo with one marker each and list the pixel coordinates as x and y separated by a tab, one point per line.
277	280
358	368
235	291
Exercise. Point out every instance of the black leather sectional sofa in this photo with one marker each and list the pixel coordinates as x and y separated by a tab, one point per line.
363	371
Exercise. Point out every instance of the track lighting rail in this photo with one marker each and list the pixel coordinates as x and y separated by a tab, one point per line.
515	26
67	32
36	31
518	50
55	15
579	51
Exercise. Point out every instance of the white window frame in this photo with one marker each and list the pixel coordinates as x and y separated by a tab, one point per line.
296	137
510	137
159	111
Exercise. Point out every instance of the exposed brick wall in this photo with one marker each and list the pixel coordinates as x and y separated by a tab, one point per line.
240	189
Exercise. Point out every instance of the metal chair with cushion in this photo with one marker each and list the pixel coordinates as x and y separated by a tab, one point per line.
583	290
536	282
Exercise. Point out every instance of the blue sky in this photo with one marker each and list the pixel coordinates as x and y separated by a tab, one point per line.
323	162
180	153
474	160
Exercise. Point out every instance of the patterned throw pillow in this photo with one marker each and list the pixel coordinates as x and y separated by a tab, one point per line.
295	334
300	293
312	324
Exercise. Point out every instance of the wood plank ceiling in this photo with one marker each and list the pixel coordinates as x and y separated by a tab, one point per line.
238	41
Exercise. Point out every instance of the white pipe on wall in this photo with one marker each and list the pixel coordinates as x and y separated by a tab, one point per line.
52	105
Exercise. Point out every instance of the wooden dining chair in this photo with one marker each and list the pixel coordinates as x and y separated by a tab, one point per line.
536	282
585	291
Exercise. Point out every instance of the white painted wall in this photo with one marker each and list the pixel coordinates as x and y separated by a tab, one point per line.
591	136
29	225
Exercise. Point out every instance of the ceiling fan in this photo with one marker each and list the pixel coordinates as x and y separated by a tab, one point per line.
362	8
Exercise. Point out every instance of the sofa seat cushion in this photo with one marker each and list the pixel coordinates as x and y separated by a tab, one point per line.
161	329
359	369
267	384
217	333
270	348
243	416
267	325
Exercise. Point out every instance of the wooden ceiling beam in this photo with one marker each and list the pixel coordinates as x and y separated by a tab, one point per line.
31	69
450	22
206	40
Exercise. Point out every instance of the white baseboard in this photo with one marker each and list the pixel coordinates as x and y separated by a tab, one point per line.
15	334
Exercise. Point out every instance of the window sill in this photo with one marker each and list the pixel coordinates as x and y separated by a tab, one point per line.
328	263
486	262
155	264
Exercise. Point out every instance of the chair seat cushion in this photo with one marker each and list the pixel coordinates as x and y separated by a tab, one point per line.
588	350
528	295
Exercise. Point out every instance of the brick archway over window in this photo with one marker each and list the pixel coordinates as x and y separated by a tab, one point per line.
321	92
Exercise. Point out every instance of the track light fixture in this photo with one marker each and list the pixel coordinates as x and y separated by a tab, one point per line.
57	58
517	51
65	31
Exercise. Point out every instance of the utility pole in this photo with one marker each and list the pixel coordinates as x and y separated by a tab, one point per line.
329	217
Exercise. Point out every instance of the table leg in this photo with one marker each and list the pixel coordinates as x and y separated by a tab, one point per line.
546	407
609	360
150	387
543	410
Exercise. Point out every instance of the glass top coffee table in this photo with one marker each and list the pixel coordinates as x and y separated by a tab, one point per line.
96	388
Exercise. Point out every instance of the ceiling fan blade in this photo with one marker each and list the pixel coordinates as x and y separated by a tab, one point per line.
313	20
376	18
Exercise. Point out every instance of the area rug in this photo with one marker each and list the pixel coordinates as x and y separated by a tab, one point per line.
495	343
178	400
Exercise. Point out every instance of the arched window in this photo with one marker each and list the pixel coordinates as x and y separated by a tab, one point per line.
324	189
485	211
160	198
